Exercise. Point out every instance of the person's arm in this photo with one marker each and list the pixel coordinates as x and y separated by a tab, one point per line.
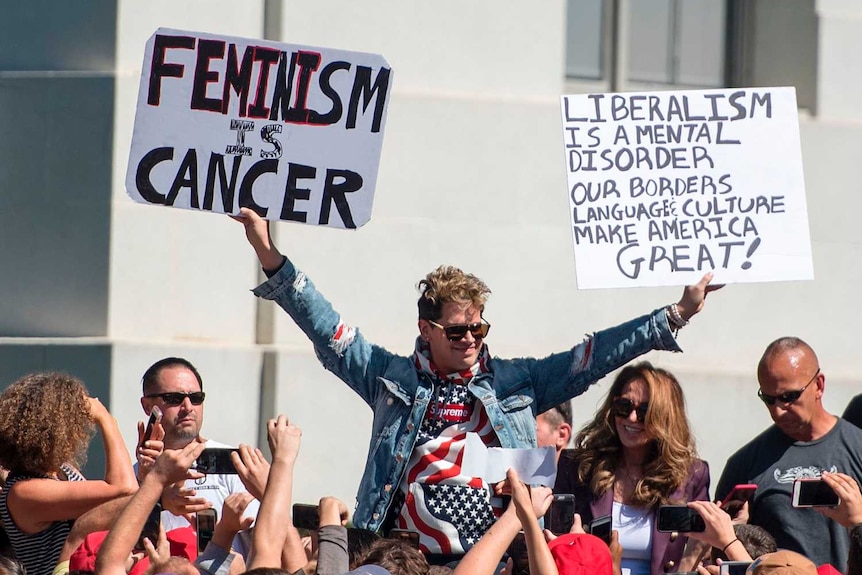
562	376
170	467
332	554
719	532
271	528
216	558
97	519
36	503
484	557
342	349
541	560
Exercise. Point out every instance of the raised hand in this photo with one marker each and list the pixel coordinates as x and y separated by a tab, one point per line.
693	296
252	468
258	235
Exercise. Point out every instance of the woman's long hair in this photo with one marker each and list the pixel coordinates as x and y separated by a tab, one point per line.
600	453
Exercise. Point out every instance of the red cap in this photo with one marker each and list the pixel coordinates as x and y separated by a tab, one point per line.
581	554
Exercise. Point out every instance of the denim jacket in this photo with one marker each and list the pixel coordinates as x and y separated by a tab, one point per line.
512	393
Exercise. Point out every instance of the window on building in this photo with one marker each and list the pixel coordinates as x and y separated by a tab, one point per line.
672	44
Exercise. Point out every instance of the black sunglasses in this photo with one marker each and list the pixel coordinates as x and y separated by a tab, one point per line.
457	331
787	397
176	398
622	407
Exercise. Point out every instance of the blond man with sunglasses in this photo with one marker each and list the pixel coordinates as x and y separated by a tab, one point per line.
425	404
804	442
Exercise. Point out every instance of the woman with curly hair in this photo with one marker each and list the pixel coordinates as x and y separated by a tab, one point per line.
46	422
636	454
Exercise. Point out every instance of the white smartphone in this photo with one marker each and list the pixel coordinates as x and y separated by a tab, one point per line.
733	567
813	493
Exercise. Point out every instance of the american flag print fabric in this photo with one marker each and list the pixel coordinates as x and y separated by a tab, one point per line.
449	510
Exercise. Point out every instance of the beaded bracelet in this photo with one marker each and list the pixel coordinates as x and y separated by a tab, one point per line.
675	317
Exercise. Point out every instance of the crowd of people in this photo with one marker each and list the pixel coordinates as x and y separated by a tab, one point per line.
418	509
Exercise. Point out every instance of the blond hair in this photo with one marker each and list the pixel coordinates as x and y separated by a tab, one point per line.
449	284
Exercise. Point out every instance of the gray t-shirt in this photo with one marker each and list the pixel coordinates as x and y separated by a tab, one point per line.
773	461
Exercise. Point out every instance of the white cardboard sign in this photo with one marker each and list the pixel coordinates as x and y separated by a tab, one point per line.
293	132
666	186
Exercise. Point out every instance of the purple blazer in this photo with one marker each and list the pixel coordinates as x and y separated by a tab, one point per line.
667	548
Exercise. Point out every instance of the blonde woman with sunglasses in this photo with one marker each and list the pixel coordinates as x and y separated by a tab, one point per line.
636	454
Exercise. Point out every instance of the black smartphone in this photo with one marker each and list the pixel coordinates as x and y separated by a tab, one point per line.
306	516
151	528
561	513
518	553
813	493
601	528
206	524
215	460
680	518
155	417
411	537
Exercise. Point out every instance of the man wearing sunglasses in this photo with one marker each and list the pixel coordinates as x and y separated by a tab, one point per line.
174	386
425	404
804	442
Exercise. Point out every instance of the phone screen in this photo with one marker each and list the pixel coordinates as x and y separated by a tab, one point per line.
561	514
813	493
306	516
215	460
679	518
601	528
206	523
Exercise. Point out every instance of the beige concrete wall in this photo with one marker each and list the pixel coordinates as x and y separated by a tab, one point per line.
472	175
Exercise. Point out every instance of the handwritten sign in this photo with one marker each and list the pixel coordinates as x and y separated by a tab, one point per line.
293	132
666	186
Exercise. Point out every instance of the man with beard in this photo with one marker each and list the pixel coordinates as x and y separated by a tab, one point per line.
174	385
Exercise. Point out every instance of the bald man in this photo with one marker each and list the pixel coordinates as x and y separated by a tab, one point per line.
804	442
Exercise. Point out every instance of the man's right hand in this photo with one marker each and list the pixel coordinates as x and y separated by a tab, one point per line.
258	235
181	501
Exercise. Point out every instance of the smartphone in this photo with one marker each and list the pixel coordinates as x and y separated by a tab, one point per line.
561	513
601	528
813	493
679	518
151	528
518	553
215	460
733	567
738	496
411	537
306	516
206	524
155	417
